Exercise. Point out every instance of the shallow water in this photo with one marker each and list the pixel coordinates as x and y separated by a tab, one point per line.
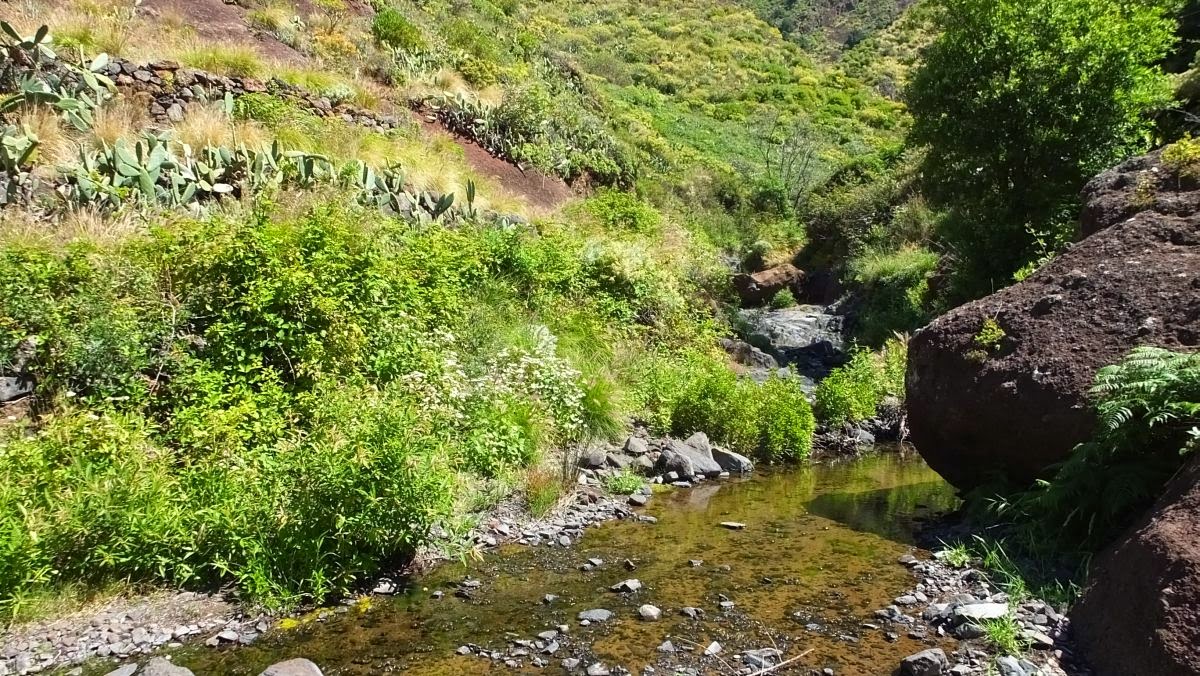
819	547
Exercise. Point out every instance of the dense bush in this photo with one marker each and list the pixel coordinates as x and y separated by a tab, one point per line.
621	211
852	393
695	392
284	402
392	29
997	101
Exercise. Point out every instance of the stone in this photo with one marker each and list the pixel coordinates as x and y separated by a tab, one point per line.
1008	665
930	662
1017	409
762	658
685	460
733	525
549	598
977	612
666	647
734	463
757	288
636	446
713	648
1140	610
293	667
229	635
593	457
692	613
14	387
175	112
570	663
595	615
626	586
597	669
618	460
125	670
158	666
650	613
639	500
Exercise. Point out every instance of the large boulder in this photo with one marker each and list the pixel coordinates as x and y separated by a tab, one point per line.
760	287
1013	404
1140	613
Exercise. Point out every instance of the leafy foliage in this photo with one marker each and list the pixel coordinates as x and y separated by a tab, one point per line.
1148	412
392	29
998	100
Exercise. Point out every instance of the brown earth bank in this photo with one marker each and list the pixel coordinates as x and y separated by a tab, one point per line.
1140	613
1010	406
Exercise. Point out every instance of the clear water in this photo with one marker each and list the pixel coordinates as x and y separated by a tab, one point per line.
819	547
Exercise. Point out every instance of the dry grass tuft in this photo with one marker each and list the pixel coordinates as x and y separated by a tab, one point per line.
117	119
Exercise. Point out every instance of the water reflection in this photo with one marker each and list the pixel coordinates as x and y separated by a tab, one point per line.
820	546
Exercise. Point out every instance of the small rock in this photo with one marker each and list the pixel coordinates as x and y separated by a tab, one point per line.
733	525
463	650
692	613
666	647
930	662
570	663
162	667
598	669
713	648
626	586
549	598
229	635
974	612
639	500
650	613
595	615
127	670
636	446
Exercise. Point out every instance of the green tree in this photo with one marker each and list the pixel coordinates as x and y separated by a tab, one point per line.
1019	103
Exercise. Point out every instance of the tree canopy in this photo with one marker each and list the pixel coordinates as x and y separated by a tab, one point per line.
1019	102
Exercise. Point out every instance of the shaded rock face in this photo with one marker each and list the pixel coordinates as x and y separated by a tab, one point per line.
806	337
760	287
1016	406
1140	613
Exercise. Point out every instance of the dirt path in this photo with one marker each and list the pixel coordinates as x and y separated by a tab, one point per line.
540	190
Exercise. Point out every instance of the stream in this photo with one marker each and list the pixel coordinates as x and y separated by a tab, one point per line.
817	556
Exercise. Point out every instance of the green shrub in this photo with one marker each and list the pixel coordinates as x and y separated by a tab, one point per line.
392	29
621	211
623	483
479	72
786	421
1148	412
850	393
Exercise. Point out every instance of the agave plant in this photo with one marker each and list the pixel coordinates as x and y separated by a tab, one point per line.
17	146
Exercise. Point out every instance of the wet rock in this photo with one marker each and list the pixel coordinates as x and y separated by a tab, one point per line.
162	667
650	613
595	615
930	662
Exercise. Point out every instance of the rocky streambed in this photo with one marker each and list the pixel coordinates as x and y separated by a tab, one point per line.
727	576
